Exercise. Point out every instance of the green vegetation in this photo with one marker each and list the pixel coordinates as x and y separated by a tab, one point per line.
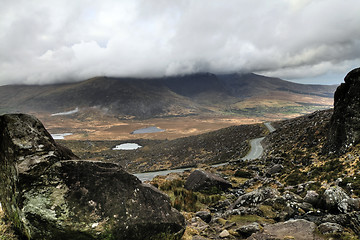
185	200
244	219
6	230
329	171
296	177
260	111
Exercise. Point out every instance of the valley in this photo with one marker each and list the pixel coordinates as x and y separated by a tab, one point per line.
252	196
104	108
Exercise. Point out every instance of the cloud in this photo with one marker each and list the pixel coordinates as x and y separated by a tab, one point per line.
53	41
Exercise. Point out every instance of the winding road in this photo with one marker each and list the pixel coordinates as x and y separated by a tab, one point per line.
255	152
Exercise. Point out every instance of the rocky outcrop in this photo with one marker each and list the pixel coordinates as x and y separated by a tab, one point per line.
293	229
205	181
334	197
255	197
345	122
326	228
48	194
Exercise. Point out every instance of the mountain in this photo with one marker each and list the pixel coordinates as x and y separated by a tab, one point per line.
159	97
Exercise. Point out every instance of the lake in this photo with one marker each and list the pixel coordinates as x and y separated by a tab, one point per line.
148	130
127	146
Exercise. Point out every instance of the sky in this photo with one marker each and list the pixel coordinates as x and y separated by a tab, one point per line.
49	41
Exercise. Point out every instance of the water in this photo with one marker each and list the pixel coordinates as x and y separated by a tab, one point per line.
60	135
127	146
148	130
255	152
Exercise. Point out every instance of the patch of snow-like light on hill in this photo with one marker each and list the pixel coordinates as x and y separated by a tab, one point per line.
66	113
148	130
60	135
127	146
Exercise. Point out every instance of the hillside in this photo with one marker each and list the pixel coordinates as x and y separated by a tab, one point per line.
209	148
170	96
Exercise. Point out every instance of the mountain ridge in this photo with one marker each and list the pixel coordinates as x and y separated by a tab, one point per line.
144	98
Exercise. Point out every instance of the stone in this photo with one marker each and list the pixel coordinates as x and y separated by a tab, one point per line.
312	197
204	215
246	230
48	194
349	204
293	229
345	122
224	234
333	197
255	197
277	168
326	228
205	181
354	222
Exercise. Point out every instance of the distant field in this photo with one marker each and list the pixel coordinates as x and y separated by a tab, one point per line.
102	127
115	129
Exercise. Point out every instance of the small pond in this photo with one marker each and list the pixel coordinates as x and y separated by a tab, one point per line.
148	130
127	146
60	135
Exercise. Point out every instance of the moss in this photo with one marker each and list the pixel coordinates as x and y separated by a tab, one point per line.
267	211
243	174
329	171
6	229
353	183
171	185
296	177
244	219
164	236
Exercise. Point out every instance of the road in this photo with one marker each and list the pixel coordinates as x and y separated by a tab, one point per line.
270	127
255	152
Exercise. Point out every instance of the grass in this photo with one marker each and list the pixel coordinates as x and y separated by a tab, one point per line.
245	219
6	230
186	200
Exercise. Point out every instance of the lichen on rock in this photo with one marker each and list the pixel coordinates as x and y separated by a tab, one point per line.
49	194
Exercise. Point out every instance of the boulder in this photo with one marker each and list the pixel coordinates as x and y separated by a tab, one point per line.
48	194
349	204
334	198
204	215
224	234
205	181
326	228
247	230
277	168
312	197
255	197
293	229
345	122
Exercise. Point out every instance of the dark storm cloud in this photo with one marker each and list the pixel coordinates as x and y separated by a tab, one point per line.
51	41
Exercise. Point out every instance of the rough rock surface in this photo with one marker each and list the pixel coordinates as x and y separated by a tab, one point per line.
48	197
312	197
293	229
345	122
247	230
328	227
255	197
334	197
205	181
204	215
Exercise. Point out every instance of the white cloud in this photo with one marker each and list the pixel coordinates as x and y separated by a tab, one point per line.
62	40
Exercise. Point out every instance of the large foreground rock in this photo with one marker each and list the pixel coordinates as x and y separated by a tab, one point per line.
48	197
345	122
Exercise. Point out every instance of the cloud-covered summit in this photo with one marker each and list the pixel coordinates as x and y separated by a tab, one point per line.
62	40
